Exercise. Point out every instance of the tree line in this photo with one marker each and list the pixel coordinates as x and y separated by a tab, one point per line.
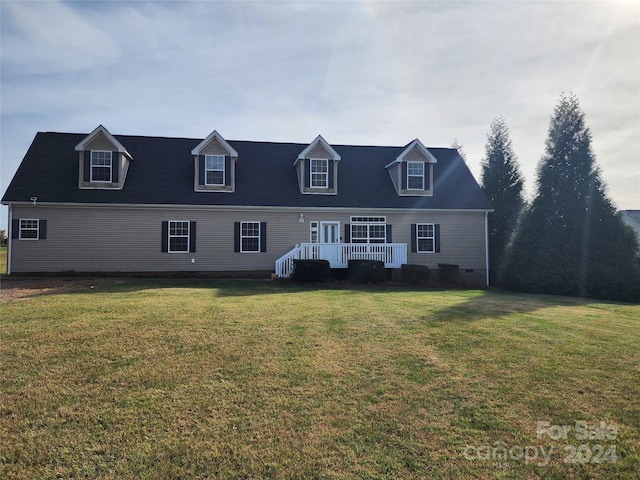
569	239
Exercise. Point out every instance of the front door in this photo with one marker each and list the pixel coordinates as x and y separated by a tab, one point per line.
329	241
329	232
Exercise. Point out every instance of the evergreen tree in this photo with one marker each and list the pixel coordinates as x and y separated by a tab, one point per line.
502	184
571	241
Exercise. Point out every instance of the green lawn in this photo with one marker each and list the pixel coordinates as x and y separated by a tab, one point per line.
211	379
3	260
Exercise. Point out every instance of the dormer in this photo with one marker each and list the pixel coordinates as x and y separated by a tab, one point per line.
215	165
317	168
412	171
103	161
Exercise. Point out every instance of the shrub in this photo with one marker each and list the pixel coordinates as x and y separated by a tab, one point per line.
367	271
311	270
448	273
418	274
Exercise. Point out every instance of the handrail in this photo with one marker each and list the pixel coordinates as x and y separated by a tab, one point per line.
338	254
284	265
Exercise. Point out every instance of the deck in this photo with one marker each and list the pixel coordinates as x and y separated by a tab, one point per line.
338	254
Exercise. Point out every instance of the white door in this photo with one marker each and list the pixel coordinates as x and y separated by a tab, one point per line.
329	240
329	232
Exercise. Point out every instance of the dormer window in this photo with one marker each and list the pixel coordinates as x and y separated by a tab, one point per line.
412	171
214	165
317	168
101	167
319	173
103	161
214	169
415	175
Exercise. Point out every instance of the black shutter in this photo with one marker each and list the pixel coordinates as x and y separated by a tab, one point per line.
192	236
42	229
331	164
201	172
86	162
347	233
15	228
414	239
165	237
426	176
115	167
236	236
307	173
263	236
227	170
389	237
404	175
436	233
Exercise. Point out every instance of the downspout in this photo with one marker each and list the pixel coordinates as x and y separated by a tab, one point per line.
9	236
486	245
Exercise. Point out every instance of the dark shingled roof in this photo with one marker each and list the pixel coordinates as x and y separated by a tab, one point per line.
162	172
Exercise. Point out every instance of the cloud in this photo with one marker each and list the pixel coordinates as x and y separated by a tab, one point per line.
49	38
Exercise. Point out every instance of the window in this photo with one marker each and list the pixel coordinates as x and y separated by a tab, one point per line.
319	173
415	175
29	229
313	226
214	169
425	238
368	219
100	166
178	236
250	237
368	230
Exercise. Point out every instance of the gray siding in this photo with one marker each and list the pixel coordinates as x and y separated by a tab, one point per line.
415	155
214	147
319	152
100	142
112	239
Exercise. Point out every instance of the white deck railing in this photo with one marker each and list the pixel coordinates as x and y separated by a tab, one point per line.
338	254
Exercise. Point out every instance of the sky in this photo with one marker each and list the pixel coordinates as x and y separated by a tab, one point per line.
360	73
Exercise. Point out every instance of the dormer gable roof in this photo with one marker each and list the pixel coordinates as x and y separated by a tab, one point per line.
318	141
214	136
420	147
100	130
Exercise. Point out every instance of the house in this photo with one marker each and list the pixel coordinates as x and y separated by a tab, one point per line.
632	218
123	203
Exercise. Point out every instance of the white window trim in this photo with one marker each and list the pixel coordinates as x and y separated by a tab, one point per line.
418	238
368	219
178	236
421	176
214	170
101	166
368	222
323	174
37	229
246	236
314	225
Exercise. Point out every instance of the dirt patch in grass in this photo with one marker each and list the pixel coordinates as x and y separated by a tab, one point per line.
16	288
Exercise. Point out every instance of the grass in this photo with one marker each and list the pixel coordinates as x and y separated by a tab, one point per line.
203	379
3	260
